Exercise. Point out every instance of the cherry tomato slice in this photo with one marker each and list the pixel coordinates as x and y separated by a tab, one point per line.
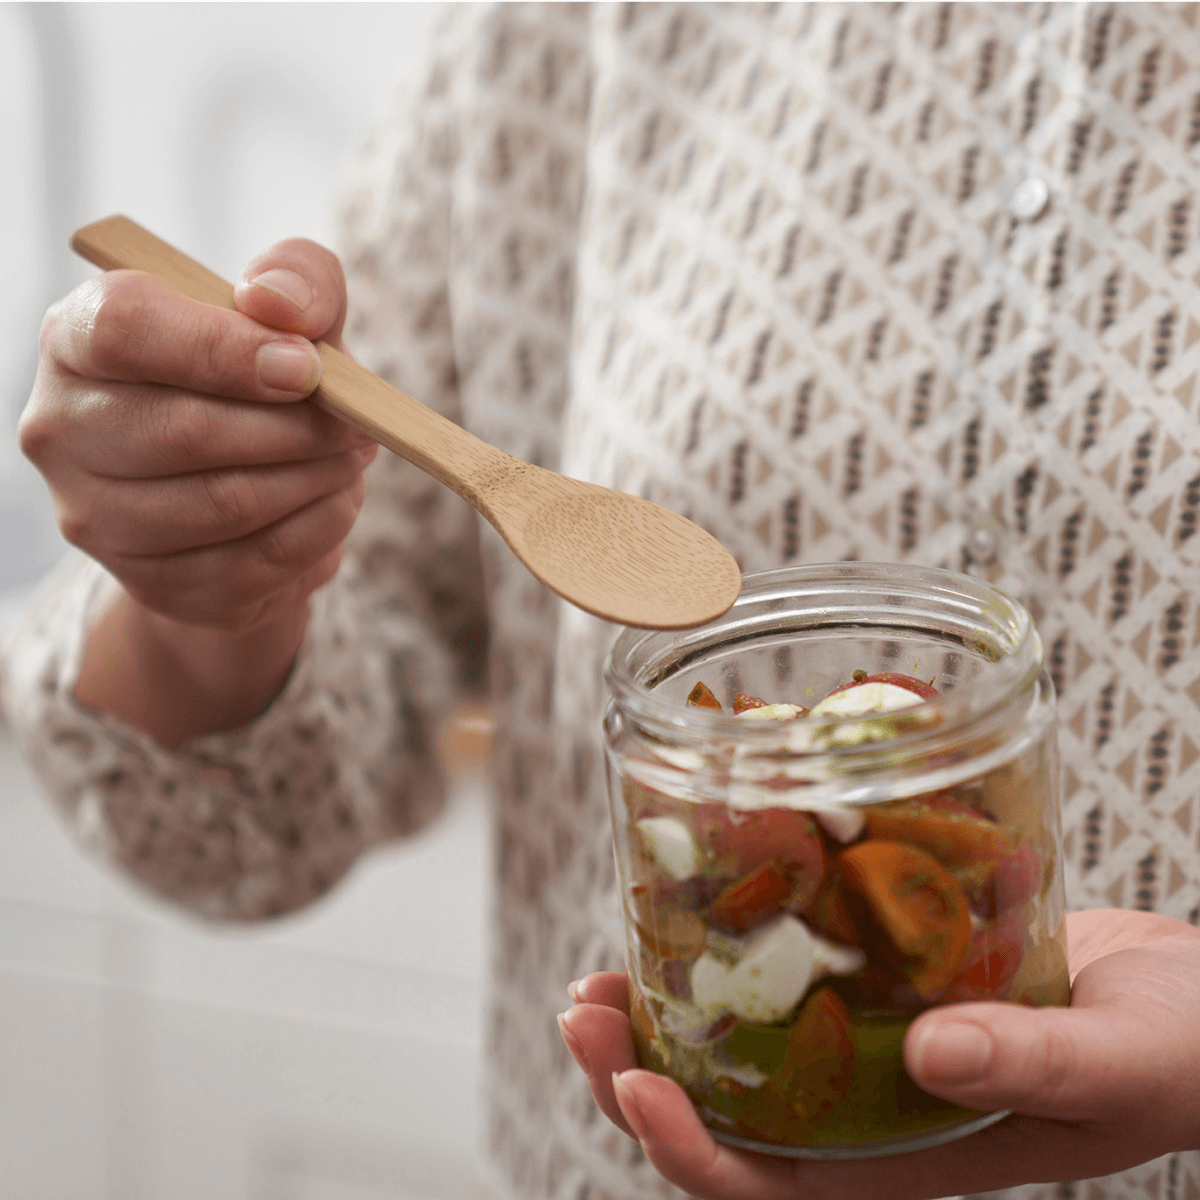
957	837
909	683
740	842
640	1017
818	1064
922	688
1017	878
701	697
992	962
667	929
919	905
751	900
834	911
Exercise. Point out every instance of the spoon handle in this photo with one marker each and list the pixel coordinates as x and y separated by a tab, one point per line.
449	453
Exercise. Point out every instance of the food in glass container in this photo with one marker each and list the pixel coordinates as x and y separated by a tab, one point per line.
778	954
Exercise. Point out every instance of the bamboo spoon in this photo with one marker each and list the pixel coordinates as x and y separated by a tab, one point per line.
616	556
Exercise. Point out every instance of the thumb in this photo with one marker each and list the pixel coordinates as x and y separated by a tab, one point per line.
1065	1063
296	286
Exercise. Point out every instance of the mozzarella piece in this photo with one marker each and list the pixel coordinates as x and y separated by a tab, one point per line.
767	981
863	698
844	824
672	845
772	712
830	958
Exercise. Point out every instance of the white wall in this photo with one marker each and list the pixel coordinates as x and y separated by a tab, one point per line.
332	1056
222	127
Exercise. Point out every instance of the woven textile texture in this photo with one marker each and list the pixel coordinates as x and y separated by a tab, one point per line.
897	282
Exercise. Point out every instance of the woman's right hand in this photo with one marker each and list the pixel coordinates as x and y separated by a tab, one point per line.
180	453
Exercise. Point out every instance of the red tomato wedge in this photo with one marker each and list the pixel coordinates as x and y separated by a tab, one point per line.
919	905
991	964
833	912
752	900
748	839
743	703
818	1064
1015	880
925	690
908	683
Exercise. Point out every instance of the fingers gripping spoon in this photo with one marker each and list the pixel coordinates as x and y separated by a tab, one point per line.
616	556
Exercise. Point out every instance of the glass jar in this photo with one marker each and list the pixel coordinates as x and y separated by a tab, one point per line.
797	886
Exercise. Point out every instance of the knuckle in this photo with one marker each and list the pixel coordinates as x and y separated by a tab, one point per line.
277	550
178	430
212	351
1057	1061
343	508
232	498
77	525
37	432
118	324
67	323
44	419
50	334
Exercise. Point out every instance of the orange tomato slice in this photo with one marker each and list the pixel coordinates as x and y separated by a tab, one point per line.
918	903
701	697
957	837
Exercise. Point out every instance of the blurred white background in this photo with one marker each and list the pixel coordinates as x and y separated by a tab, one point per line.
331	1056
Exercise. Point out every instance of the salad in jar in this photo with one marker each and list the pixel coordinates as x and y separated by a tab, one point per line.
780	942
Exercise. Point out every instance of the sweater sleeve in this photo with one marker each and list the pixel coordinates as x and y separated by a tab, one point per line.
261	820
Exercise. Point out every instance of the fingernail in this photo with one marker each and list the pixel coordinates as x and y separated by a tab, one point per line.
581	1059
629	1108
288	366
573	989
952	1052
293	288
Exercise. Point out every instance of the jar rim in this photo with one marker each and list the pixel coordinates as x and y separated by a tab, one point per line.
639	656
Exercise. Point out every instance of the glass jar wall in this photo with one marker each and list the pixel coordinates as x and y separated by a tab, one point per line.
833	808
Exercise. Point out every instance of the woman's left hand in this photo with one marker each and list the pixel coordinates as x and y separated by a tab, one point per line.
1110	1082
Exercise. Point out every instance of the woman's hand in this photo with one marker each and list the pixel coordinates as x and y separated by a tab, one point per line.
179	454
1110	1082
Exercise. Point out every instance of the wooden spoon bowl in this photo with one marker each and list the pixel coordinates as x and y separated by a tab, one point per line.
616	556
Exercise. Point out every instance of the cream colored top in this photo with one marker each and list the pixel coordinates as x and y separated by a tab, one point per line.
895	282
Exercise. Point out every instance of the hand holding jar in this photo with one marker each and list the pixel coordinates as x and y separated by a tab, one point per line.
809	880
1108	1083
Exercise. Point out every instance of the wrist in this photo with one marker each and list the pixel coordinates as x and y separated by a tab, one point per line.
178	682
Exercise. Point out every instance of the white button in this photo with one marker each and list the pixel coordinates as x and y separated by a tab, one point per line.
1030	198
983	539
